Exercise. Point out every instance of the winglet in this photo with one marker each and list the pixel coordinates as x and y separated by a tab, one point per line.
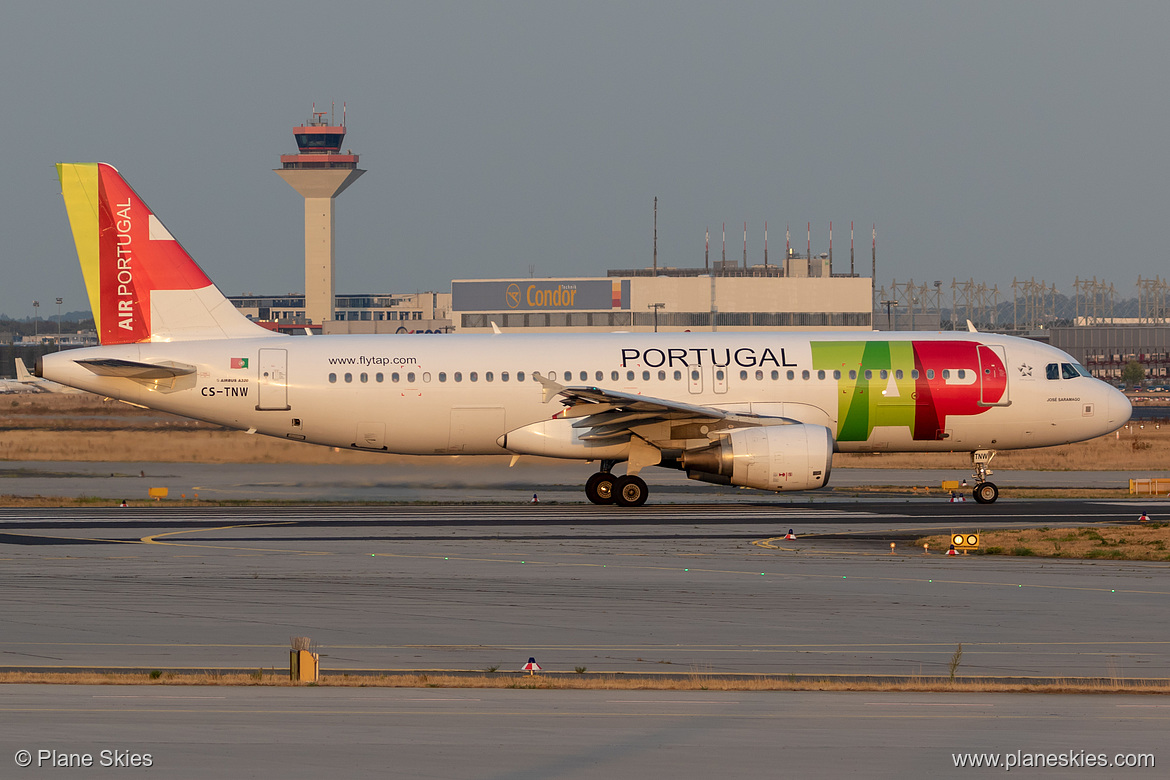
142	284
22	374
971	327
496	329
551	387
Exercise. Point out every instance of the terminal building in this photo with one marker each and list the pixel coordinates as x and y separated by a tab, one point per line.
671	299
427	312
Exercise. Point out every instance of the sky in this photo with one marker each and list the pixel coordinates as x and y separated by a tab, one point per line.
988	140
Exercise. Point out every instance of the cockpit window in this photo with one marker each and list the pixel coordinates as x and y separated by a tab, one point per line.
1065	371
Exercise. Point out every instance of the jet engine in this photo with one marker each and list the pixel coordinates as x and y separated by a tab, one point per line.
772	457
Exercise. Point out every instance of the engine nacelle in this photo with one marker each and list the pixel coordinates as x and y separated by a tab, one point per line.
772	457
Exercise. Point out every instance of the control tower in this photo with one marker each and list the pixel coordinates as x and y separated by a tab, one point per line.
319	172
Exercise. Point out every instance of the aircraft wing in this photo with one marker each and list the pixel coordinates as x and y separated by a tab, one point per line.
610	414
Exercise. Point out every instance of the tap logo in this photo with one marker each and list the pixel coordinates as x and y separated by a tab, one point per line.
512	296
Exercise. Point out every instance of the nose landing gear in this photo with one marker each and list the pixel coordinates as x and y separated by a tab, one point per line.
985	492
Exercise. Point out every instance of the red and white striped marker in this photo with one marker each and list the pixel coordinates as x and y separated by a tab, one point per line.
532	667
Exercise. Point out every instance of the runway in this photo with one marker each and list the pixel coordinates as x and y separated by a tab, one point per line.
508	734
703	588
688	589
449	479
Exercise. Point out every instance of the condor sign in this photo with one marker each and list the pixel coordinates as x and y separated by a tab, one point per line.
541	295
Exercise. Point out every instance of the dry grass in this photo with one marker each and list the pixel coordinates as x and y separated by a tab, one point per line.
694	682
1131	543
1132	449
46	427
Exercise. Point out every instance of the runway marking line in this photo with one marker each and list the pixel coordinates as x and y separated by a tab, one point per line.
154	539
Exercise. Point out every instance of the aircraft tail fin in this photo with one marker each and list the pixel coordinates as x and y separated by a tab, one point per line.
142	284
22	374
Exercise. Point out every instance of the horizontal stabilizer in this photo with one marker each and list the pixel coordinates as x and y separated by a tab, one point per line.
131	369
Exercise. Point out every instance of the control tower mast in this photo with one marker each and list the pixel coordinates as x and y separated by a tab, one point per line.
319	172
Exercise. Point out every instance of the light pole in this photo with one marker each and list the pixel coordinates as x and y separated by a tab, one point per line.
59	302
36	319
656	307
889	313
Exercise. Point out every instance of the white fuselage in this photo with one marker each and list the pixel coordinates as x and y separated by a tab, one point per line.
460	394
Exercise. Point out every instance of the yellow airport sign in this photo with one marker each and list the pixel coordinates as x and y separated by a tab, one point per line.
965	541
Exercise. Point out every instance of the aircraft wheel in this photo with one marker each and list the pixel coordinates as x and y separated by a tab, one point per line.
631	491
985	493
600	488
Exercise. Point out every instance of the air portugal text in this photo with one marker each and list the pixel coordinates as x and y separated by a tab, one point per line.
125	275
746	357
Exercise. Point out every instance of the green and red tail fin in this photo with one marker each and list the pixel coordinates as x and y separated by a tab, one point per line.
142	284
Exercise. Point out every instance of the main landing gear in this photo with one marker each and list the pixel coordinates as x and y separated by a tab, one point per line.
985	492
604	488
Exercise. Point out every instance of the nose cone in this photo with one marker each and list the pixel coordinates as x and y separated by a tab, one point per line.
1117	408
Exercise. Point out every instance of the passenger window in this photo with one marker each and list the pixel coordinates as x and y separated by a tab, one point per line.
519	376
791	374
645	376
1052	371
742	376
363	377
677	375
488	376
661	376
962	374
473	377
883	375
568	376
349	377
695	374
426	376
333	378
378	377
759	374
804	374
629	376
837	374
599	376
458	376
914	373
946	373
776	375
584	376
820	375
1067	371
719	375
613	376
897	374
852	374
868	374
930	373
442	376
410	378
503	376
